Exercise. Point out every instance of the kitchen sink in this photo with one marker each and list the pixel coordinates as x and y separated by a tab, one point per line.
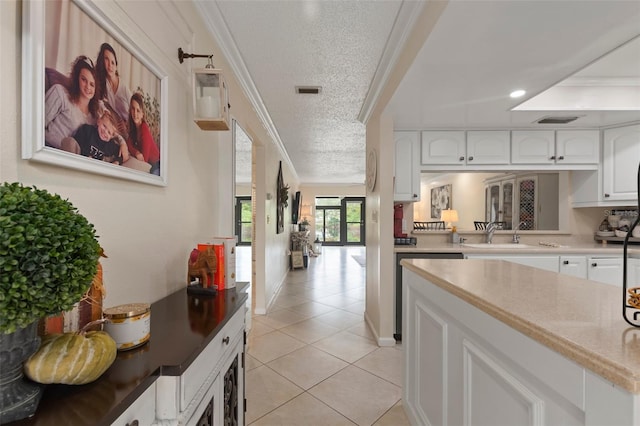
499	246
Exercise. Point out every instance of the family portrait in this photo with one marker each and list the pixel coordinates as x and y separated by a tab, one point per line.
100	101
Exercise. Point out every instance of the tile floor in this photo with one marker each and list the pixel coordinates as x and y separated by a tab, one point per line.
312	361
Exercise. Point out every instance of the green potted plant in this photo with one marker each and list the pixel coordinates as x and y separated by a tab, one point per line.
48	257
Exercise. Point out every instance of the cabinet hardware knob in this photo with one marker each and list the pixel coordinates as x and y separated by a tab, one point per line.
471	158
606	195
566	262
415	195
133	423
561	157
226	340
553	157
461	158
594	265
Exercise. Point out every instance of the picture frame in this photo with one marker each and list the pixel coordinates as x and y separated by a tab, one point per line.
50	46
282	195
440	200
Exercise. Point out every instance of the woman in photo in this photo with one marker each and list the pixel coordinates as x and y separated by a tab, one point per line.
110	85
140	142
66	109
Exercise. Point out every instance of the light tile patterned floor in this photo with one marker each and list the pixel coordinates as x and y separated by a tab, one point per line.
312	361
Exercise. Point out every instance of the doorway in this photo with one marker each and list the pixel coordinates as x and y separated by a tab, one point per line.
340	221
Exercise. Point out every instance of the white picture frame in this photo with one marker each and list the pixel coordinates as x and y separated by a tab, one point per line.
37	29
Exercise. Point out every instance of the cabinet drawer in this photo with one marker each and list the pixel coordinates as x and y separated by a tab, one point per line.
143	410
207	365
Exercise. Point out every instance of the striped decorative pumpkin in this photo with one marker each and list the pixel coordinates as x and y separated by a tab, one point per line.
71	358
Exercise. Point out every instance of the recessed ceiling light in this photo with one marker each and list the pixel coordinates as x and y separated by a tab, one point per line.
517	93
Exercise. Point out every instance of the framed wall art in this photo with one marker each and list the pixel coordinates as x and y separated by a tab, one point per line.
440	200
282	201
92	99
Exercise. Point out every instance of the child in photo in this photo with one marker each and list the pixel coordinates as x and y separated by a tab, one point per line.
100	141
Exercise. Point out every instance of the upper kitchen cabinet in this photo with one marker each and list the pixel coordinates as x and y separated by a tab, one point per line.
614	184
555	147
621	150
577	146
488	147
533	147
460	148
444	147
406	183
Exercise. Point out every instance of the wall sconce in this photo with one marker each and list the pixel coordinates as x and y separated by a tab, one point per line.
449	216
210	95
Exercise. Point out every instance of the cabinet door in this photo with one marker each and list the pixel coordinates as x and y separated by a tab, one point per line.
506	200
488	147
406	182
633	273
577	146
532	147
230	391
606	270
574	265
443	147
527	206
492	202
620	164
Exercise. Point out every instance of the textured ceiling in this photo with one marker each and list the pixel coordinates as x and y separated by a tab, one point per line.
477	53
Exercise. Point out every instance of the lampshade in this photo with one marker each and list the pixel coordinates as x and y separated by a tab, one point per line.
449	216
305	211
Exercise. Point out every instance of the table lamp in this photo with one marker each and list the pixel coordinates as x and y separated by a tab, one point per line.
449	216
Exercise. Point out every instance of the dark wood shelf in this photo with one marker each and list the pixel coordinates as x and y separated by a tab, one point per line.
615	239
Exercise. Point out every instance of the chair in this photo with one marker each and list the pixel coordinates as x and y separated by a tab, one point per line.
429	226
481	226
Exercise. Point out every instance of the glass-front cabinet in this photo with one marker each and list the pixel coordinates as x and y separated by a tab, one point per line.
499	202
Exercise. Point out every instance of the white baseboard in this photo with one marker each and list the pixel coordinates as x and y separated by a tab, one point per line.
382	341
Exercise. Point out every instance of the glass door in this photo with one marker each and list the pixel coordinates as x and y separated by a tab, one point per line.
353	222
243	220
328	227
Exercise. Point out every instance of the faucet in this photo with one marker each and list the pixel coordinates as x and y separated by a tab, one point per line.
516	238
490	229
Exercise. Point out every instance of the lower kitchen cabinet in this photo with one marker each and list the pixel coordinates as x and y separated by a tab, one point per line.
462	366
548	263
606	270
575	266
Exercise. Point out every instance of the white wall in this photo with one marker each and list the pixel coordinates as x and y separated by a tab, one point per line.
147	231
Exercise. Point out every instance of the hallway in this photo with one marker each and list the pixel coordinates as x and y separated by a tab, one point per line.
312	361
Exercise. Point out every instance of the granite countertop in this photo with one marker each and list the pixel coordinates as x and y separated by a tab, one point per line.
525	248
181	327
578	318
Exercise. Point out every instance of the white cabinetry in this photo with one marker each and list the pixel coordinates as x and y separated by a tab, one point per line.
620	164
406	184
443	147
532	147
459	148
546	262
499	197
606	270
463	366
577	146
614	184
200	389
574	265
488	147
141	412
633	273
555	147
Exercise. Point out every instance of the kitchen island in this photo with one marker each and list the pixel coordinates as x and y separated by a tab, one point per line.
495	342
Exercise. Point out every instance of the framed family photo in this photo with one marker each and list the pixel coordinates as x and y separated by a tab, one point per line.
92	100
